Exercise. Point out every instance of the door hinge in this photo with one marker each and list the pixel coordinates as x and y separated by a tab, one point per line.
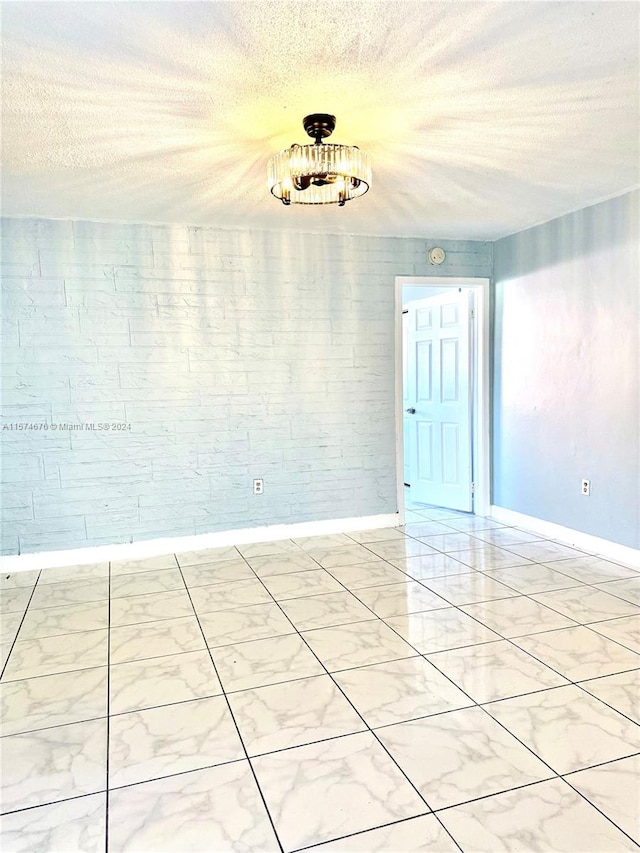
473	488
473	313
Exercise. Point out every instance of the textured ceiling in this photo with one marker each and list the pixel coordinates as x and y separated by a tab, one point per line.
480	118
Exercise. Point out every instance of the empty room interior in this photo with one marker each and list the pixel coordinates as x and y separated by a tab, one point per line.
320	436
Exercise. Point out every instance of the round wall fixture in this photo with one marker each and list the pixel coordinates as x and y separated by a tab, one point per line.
436	255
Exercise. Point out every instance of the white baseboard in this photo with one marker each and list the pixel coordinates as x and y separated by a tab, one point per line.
584	541
178	544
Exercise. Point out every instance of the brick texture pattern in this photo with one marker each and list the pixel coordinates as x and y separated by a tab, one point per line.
214	357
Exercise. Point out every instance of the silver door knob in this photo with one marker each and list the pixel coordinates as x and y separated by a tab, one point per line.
410	411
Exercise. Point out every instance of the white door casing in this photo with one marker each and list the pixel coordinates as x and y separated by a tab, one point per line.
438	431
406	425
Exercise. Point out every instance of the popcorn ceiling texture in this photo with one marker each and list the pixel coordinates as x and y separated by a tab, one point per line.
231	354
481	118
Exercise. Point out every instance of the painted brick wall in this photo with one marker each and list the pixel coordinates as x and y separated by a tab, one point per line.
231	355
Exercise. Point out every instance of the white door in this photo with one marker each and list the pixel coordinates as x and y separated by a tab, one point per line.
438	400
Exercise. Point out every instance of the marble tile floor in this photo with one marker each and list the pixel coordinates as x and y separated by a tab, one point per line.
438	687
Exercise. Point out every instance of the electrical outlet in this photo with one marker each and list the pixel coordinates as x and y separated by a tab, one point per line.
586	487
258	487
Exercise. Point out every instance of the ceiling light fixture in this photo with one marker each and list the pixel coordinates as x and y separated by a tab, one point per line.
318	173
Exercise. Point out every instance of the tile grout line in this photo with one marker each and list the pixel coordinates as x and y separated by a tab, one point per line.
382	620
230	710
348	700
511	640
108	722
374	829
555	773
597	808
472	702
449	606
24	616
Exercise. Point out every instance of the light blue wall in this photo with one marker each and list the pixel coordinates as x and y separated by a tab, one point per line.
566	371
231	354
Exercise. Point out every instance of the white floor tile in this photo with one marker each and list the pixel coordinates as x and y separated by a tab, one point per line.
207	555
431	566
416	835
239	624
335	540
53	700
160	681
349	555
579	653
586	604
341	786
217	809
475	524
171	739
71	592
427	528
440	630
400	549
141	583
627	590
152	607
292	714
68	619
503	537
326	610
62	653
515	617
593	569
367	574
357	644
268	549
301	584
494	671
412	639
400	690
621	692
381	534
261	662
15	580
76	825
451	541
567	728
625	631
460	756
549	816
155	639
532	578
615	789
469	588
227	596
53	764
150	564
217	573
541	552
281	564
489	557
399	599
76	574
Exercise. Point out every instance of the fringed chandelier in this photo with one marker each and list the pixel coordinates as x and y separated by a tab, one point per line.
319	173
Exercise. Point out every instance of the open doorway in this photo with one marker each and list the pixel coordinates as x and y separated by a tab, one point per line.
442	406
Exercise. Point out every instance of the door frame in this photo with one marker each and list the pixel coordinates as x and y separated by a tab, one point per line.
481	404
